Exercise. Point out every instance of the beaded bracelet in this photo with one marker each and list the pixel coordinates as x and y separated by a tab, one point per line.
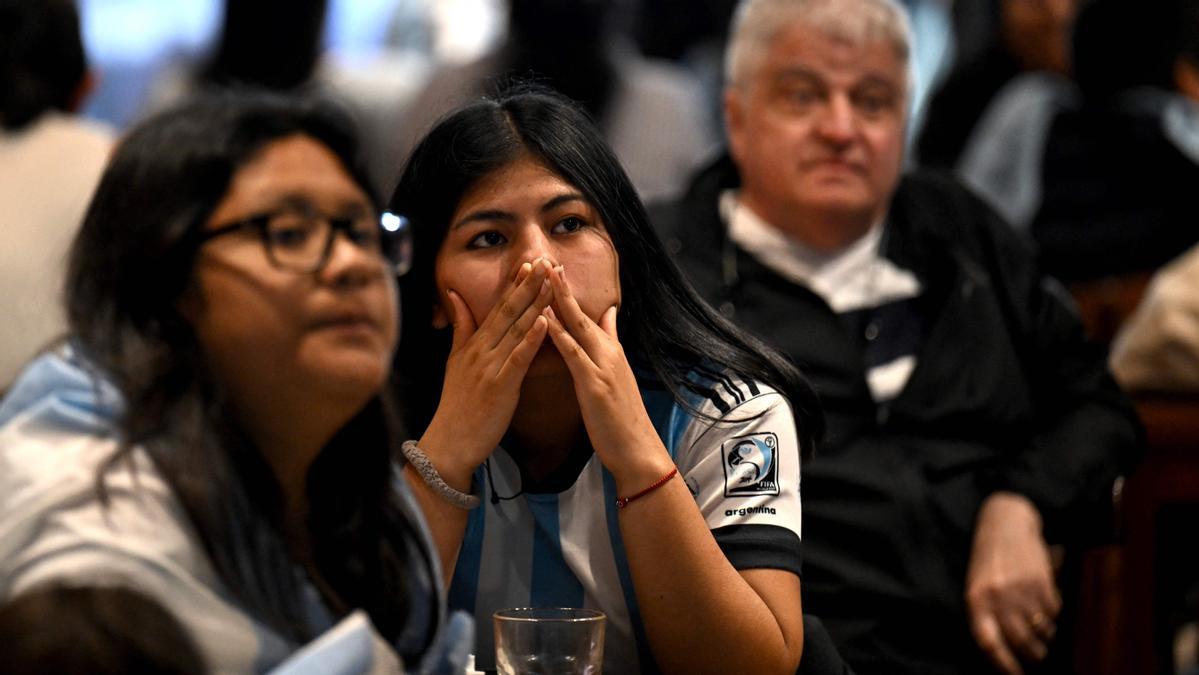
428	473
622	502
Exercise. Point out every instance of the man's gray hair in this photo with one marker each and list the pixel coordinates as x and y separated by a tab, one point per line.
757	22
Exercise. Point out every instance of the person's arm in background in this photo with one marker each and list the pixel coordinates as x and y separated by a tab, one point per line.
1059	488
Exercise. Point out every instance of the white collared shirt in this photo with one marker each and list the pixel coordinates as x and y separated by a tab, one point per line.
857	277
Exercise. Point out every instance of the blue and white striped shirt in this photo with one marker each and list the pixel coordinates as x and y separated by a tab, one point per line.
565	550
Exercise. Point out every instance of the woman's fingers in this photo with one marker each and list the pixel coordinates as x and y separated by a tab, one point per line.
571	316
529	280
521	356
576	358
519	330
608	322
523	272
460	316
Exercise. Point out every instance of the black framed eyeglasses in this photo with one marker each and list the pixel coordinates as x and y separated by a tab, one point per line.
300	239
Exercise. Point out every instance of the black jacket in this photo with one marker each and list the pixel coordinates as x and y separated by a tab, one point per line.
1117	194
1006	394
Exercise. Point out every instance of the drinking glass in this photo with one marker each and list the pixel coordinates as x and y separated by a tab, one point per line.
549	641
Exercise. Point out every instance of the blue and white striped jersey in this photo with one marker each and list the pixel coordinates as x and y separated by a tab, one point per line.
58	426
564	549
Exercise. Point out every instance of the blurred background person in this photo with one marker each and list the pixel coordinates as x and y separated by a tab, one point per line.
692	33
275	45
50	161
651	112
1101	170
997	40
1157	348
1120	169
281	45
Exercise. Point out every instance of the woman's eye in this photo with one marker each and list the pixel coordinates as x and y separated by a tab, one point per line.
364	236
569	224
289	233
486	240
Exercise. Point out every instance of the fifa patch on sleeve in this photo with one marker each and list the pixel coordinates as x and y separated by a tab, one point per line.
751	465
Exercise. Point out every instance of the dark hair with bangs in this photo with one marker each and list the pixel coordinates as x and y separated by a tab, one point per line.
665	328
131	263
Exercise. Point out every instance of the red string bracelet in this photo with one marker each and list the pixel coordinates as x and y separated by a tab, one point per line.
622	502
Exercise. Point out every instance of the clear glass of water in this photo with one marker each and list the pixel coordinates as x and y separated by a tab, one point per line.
549	641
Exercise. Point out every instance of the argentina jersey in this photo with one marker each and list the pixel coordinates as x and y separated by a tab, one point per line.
565	550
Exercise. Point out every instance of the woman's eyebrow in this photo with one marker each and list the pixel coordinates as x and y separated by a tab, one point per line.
562	199
497	214
485	215
301	200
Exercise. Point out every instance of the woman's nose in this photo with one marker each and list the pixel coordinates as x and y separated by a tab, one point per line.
535	244
351	263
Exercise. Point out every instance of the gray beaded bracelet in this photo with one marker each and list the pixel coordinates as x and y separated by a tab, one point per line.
428	472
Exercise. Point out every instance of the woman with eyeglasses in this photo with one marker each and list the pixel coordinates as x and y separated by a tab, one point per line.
602	438
215	433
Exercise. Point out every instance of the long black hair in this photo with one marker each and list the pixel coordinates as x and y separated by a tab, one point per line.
130	264
665	328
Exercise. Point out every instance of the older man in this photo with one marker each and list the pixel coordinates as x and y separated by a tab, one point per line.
970	423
